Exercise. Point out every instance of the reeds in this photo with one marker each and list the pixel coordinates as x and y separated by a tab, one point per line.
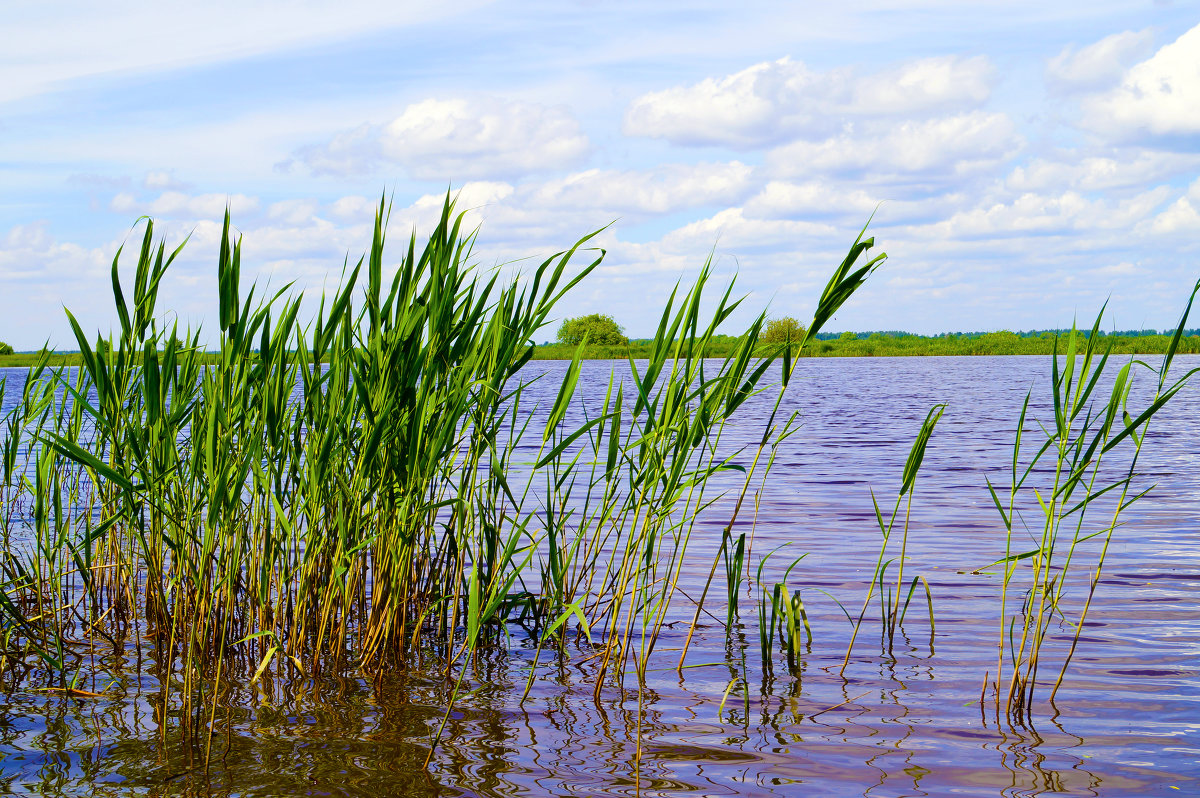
376	488
356	492
890	610
1072	477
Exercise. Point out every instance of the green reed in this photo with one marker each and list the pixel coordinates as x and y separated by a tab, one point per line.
891	612
1072	480
350	494
356	492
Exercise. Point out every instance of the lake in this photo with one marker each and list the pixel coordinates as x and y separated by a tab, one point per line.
904	722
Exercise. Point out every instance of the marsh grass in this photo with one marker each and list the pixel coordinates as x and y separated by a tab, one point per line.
357	493
891	612
1072	478
351	494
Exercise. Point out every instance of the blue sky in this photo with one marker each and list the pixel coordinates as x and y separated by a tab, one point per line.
1028	160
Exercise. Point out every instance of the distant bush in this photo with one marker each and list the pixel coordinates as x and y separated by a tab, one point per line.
783	330
5	349
600	330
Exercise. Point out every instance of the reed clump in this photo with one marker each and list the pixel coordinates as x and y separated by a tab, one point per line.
373	486
1066	494
377	487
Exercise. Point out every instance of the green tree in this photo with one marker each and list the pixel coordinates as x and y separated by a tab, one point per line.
848	336
598	328
5	349
782	330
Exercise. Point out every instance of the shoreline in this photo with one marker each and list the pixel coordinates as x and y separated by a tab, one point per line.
882	346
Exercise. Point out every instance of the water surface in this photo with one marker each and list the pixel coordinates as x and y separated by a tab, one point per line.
908	723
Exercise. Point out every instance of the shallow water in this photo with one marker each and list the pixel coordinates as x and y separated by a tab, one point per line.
1126	721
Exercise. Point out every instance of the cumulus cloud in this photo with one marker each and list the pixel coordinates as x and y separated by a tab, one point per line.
176	204
477	200
350	152
748	108
435	138
1049	214
162	180
659	190
296	211
1098	65
1160	95
30	252
568	205
1181	216
1127	168
775	100
781	199
952	145
457	139
44	274
354	208
847	202
738	231
925	85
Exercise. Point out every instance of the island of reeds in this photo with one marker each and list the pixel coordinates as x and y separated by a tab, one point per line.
374	487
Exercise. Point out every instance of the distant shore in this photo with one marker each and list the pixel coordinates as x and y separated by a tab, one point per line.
892	345
872	345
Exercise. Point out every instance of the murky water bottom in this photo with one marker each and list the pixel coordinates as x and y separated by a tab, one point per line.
908	722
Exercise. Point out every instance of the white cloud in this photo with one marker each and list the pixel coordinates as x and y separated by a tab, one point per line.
924	85
354	209
162	180
41	274
954	144
353	151
1100	64
457	139
176	204
748	108
781	199
476	200
483	137
1160	96
297	211
29	252
1181	216
557	209
659	190
1048	214
737	231
1127	169
846	202
776	100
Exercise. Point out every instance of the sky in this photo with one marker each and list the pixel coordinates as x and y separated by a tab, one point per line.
1023	161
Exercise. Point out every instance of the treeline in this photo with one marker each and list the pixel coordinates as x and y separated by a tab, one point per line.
897	344
53	359
848	344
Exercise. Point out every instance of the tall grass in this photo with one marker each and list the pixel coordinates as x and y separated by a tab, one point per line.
375	487
1053	497
891	612
354	493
